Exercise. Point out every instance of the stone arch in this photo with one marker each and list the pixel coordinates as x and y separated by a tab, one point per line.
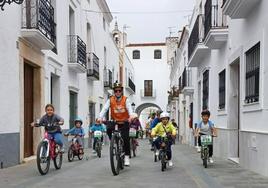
141	107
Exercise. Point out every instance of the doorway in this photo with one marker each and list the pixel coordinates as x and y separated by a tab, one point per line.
28	109
234	110
73	108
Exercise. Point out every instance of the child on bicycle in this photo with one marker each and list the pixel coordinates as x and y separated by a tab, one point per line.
162	129
135	123
77	130
53	123
205	127
98	126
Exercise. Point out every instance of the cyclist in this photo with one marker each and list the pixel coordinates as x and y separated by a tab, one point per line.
135	123
77	130
205	127
53	122
98	126
154	122
120	109
162	128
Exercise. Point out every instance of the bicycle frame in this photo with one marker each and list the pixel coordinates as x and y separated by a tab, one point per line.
50	145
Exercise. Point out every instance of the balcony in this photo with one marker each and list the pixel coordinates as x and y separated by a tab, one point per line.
196	48
216	29
237	9
93	71
77	55
148	93
174	94
107	79
131	86
187	86
38	26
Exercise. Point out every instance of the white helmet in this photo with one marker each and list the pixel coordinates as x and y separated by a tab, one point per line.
164	115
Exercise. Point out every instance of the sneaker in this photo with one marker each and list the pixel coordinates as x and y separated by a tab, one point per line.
170	163
198	149
61	150
127	163
94	152
210	160
103	144
157	152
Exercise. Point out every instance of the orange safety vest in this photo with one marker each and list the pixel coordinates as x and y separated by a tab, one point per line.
118	109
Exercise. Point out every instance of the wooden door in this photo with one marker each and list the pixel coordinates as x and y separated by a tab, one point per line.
28	110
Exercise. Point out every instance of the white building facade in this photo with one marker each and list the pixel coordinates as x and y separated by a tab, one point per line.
67	57
227	45
151	75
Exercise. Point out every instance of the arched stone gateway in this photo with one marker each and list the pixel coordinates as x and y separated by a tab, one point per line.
143	106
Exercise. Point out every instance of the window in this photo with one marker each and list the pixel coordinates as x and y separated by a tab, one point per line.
205	89
157	54
148	88
252	74
222	90
136	54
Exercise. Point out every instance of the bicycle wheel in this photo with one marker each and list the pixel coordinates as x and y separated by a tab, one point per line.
205	158
134	147
58	158
70	154
98	148
42	161
155	156
163	161
114	156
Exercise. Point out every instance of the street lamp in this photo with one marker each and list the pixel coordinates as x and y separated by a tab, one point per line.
133	106
3	2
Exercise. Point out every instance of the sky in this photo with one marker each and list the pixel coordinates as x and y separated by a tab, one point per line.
149	20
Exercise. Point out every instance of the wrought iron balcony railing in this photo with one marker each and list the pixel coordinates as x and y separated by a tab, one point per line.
186	78
131	85
214	17
108	78
77	51
196	35
93	70
39	14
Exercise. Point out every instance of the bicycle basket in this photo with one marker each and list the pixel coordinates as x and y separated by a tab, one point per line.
97	134
132	133
206	140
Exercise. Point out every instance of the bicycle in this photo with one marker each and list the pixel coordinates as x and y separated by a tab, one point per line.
98	147
133	141
47	150
75	149
206	140
117	153
163	152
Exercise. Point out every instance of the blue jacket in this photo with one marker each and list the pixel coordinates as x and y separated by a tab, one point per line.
74	131
155	122
97	127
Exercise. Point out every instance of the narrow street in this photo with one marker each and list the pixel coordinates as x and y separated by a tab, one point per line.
187	172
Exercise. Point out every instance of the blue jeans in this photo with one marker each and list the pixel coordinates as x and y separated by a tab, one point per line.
157	143
58	138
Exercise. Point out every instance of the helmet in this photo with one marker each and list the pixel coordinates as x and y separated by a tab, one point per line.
164	115
78	120
158	112
205	112
117	85
133	115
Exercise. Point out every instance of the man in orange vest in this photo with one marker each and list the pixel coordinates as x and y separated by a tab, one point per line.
120	109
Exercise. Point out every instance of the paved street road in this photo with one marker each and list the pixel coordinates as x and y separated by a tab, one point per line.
187	172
